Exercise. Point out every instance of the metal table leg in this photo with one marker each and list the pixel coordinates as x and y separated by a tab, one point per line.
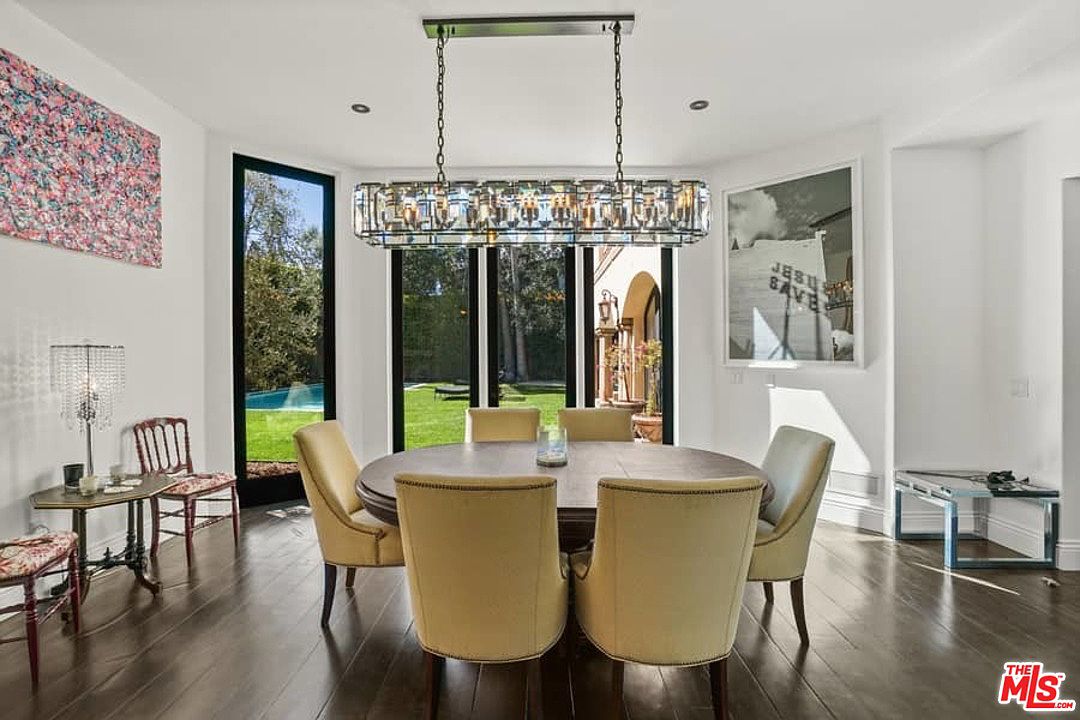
138	561
78	521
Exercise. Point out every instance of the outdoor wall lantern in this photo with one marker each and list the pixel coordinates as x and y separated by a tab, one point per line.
607	300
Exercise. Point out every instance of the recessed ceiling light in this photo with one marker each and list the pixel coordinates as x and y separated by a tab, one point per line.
699	104
360	108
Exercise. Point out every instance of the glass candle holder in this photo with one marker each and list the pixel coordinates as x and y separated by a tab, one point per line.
551	447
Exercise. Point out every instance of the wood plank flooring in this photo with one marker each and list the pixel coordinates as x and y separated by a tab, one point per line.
238	636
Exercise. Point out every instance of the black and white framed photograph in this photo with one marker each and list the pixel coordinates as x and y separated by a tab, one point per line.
792	261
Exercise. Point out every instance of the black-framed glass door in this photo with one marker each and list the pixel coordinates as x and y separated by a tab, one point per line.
532	332
435	344
629	335
283	320
532	328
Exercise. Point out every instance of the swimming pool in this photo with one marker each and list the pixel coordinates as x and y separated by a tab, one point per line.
297	397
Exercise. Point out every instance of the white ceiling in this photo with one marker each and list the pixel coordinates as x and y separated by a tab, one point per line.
283	74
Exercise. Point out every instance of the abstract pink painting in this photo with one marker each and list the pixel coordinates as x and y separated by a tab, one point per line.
73	173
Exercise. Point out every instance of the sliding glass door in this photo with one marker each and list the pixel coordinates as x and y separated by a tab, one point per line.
530	346
531	329
283	229
435	324
631	348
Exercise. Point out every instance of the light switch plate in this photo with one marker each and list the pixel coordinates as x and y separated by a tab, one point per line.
1020	387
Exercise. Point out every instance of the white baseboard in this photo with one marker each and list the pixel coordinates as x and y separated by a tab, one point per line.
1020	538
1068	554
1008	533
852	510
932	521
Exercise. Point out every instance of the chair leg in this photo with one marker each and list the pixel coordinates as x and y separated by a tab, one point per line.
189	527
768	591
329	585
535	690
799	610
350	577
570	637
617	667
235	517
434	666
74	599
718	681
155	525
30	611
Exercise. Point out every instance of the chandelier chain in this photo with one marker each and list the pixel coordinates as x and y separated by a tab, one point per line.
617	30
440	84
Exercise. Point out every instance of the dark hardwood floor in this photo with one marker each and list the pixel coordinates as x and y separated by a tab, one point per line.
238	637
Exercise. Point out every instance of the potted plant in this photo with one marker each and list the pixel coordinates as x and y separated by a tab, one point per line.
618	363
649	424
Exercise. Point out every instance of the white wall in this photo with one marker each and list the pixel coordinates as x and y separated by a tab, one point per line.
1032	333
847	404
49	295
939	246
985	322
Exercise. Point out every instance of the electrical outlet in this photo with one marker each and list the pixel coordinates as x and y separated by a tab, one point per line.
1020	387
735	376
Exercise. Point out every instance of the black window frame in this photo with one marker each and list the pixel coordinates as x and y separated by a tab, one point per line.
397	342
667	332
570	302
285	487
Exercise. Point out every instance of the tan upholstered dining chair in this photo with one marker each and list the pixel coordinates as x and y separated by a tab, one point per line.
501	424
597	424
664	581
486	579
797	464
349	535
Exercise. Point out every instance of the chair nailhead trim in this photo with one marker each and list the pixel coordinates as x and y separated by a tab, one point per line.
657	491
443	486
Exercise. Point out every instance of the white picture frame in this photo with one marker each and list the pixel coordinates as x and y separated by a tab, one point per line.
854	166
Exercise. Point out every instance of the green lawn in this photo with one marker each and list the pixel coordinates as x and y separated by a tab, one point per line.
429	419
269	432
433	420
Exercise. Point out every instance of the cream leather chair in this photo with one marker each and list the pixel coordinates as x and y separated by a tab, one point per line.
486	579
349	535
501	424
797	464
664	582
597	424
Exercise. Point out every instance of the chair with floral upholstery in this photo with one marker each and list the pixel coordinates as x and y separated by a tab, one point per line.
25	560
164	448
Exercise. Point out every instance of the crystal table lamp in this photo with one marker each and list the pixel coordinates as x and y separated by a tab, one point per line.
90	379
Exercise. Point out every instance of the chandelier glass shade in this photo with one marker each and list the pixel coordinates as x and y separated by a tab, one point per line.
567	212
616	211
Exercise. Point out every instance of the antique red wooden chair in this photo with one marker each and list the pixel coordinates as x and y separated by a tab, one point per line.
164	448
25	560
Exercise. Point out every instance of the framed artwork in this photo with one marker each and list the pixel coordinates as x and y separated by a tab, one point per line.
73	173
793	270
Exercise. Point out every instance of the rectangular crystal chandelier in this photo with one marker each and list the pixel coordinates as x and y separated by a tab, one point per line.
659	213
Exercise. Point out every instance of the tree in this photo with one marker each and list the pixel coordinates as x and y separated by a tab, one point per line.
283	292
531	304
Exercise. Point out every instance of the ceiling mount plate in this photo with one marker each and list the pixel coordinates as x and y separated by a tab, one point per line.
528	25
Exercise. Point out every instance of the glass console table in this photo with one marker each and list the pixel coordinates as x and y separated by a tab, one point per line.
945	488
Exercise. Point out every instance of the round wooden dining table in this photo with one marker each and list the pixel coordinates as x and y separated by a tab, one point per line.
588	462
